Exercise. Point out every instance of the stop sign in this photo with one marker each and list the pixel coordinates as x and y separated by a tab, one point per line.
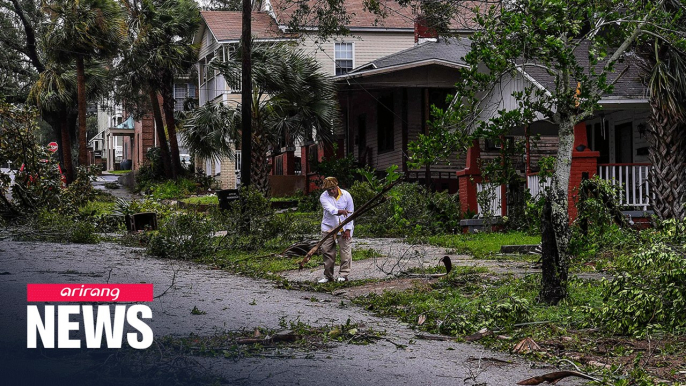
52	146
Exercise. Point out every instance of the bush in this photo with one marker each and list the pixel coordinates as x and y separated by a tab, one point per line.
411	210
650	295
184	236
171	189
252	224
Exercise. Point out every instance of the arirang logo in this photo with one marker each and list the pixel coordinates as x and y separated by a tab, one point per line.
96	321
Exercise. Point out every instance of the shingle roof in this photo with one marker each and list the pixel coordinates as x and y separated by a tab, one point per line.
227	25
628	86
450	51
396	16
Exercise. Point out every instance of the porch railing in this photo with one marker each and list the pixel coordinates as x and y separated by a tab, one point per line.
633	182
536	185
494	194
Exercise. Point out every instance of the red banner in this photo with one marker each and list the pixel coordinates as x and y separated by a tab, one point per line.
79	293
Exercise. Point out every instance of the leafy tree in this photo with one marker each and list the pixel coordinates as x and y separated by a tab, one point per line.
291	99
79	31
223	5
20	59
554	39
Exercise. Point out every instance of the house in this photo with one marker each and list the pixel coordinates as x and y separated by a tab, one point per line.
387	101
387	104
122	138
370	39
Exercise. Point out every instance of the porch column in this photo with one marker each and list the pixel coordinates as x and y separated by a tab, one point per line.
584	164
288	161
468	178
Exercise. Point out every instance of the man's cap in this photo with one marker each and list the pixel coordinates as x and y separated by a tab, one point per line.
330	182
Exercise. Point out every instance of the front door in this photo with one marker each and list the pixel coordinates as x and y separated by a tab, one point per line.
624	150
362	139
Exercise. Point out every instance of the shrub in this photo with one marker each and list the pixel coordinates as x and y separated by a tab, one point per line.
650	295
252	224
411	210
184	236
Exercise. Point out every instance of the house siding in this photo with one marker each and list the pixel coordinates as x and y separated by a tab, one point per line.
367	47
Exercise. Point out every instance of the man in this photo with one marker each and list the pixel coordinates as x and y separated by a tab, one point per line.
337	204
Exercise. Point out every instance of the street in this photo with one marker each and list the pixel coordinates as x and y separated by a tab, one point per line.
233	303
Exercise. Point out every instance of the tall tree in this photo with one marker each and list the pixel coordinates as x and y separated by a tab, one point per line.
161	50
55	91
20	58
557	40
665	68
79	31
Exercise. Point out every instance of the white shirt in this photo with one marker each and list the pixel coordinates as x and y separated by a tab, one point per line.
331	205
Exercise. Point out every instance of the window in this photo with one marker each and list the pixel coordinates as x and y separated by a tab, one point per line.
384	123
343	57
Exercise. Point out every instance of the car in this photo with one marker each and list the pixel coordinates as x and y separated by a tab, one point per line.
185	159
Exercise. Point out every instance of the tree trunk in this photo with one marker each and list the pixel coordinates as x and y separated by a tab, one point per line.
81	102
168	108
66	149
161	137
556	232
259	168
667	138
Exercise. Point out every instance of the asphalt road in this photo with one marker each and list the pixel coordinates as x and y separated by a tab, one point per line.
232	303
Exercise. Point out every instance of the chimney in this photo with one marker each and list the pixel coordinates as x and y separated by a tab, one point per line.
422	32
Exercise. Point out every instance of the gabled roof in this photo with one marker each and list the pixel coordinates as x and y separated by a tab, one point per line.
227	25
448	53
626	75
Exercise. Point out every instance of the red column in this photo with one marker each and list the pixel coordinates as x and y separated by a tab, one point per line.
289	162
584	161
468	178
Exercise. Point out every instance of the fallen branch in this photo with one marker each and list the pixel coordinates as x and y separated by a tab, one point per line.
555	377
369	205
434	337
270	339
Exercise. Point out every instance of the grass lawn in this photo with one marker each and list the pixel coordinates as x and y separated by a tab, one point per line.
482	245
201	200
119	172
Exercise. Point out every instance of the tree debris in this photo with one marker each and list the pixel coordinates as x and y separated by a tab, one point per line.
287	336
555	377
526	345
478	335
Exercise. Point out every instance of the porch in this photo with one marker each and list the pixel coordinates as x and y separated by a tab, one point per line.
631	180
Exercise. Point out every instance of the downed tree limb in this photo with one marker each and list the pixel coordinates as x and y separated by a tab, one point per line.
555	377
369	205
300	248
289	337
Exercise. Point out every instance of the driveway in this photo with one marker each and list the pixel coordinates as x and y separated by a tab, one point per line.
233	303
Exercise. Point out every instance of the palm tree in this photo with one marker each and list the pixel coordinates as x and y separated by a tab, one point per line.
55	91
665	69
79	31
54	94
162	49
292	99
209	131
